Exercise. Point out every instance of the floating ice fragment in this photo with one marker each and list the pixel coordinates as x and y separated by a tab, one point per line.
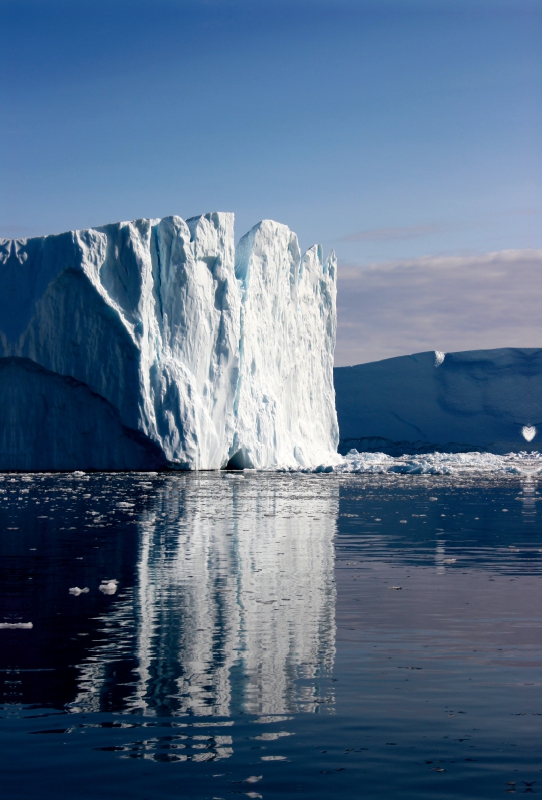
76	591
253	778
439	357
108	587
395	587
12	626
529	432
253	794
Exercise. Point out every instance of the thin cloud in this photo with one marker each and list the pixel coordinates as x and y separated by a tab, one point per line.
526	212
15	231
498	259
394	234
439	303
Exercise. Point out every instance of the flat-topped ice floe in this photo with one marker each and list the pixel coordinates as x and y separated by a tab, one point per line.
153	343
476	400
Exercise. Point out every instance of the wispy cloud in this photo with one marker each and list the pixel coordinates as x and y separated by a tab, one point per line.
502	259
439	302
394	234
526	212
15	231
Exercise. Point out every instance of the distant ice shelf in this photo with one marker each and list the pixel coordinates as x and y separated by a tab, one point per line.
488	401
155	343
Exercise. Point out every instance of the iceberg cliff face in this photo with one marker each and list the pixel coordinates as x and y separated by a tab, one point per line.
144	327
288	326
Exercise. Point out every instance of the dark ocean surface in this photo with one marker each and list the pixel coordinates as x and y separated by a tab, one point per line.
270	635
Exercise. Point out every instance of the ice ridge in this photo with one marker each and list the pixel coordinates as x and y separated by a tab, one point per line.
156	342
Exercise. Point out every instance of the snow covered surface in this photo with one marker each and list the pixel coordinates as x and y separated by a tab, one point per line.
479	400
149	343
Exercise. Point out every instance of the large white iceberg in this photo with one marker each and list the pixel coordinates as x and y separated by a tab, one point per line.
152	343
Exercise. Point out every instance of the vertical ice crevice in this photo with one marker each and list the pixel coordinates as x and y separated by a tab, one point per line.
194	385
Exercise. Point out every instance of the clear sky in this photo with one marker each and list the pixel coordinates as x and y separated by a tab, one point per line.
405	134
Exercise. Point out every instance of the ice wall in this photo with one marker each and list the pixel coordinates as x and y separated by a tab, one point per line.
285	403
477	400
151	325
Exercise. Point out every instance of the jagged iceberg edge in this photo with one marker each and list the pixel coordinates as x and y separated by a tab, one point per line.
434	464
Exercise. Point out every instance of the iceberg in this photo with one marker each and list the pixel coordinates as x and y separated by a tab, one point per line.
154	343
486	401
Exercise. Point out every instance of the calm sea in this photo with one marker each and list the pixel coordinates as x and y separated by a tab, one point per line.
270	635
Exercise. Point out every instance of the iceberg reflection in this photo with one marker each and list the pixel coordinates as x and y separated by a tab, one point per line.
233	604
529	496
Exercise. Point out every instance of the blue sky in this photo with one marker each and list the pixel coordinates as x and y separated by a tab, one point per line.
406	135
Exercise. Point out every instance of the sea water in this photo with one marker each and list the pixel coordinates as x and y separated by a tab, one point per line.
270	635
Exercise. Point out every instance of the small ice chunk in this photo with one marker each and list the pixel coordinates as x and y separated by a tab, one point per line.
439	357
13	626
108	586
253	778
528	432
76	591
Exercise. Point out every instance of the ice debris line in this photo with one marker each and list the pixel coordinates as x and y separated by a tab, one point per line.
157	343
476	464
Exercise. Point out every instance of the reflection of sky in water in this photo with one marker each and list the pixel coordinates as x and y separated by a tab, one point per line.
234	584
